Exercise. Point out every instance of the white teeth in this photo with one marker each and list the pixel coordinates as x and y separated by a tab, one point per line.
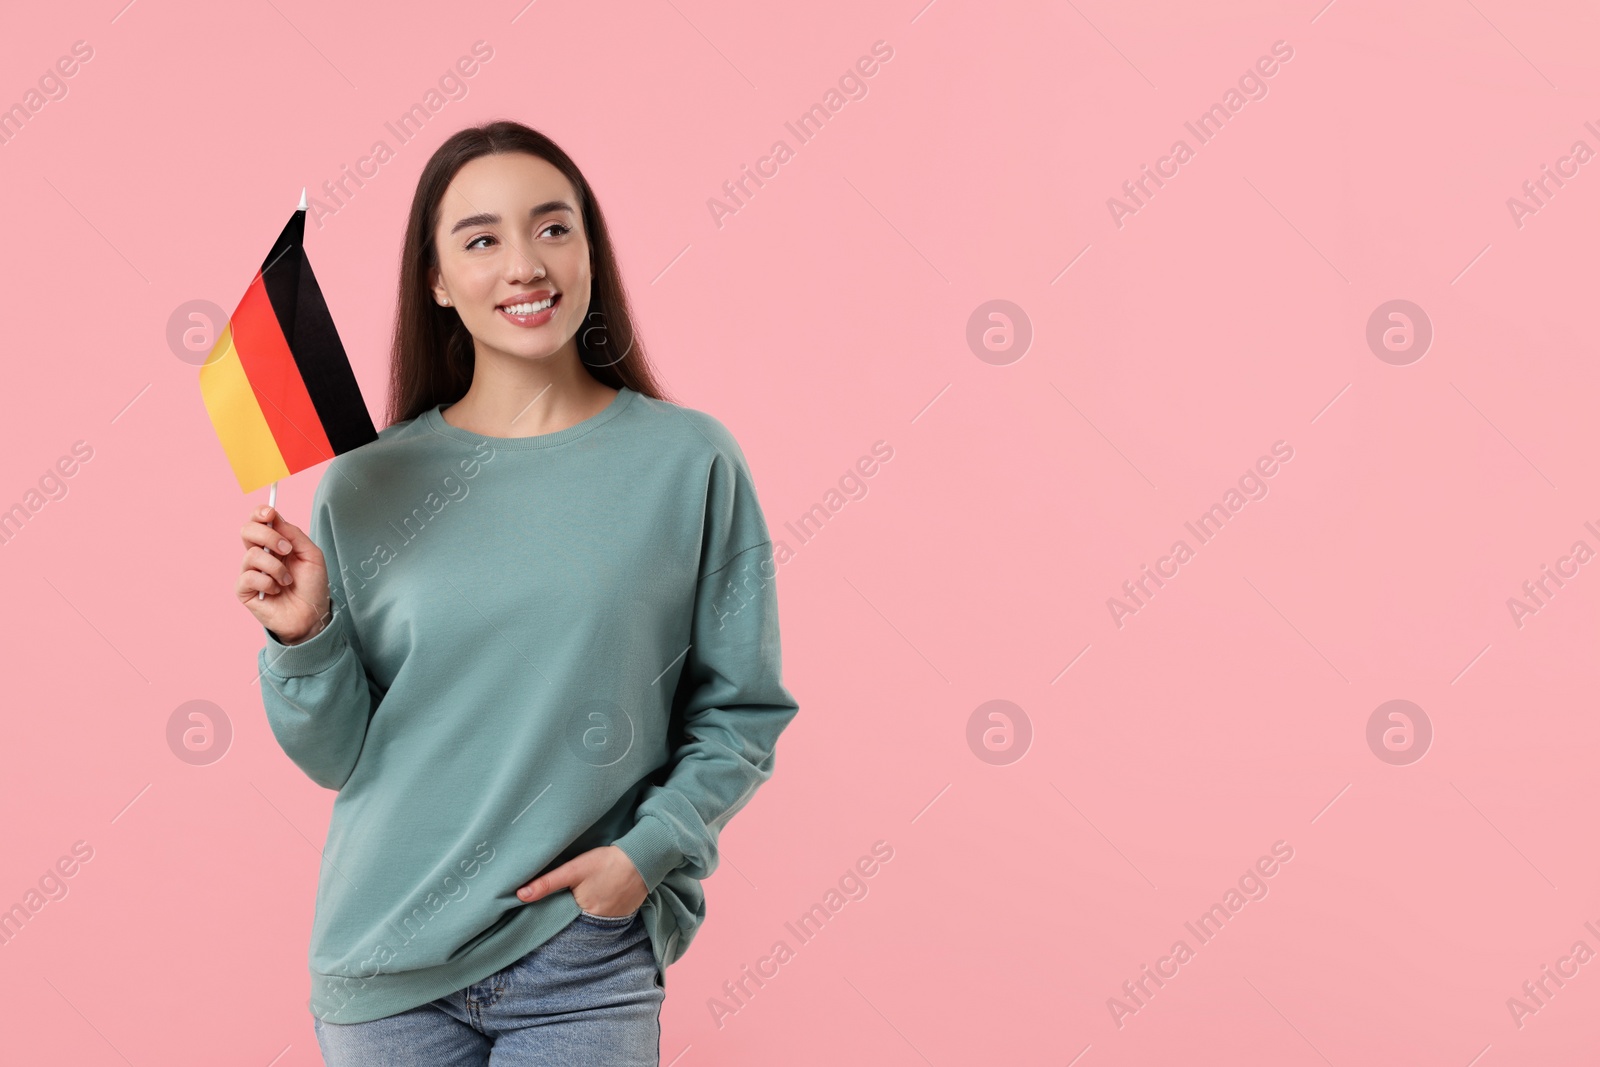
528	309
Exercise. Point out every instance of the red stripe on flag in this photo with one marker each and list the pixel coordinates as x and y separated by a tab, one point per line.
275	378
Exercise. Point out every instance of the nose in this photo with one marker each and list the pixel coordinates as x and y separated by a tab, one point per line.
522	266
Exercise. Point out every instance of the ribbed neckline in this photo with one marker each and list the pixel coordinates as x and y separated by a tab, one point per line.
434	419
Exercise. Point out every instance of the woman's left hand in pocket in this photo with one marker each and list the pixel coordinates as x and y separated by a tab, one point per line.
603	880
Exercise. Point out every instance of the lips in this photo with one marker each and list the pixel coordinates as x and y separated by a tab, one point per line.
538	318
530	297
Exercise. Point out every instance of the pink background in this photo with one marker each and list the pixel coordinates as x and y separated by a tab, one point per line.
1132	788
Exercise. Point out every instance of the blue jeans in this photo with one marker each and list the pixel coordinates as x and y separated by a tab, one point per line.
588	997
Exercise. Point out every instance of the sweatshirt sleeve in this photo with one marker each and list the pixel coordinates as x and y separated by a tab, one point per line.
730	704
318	694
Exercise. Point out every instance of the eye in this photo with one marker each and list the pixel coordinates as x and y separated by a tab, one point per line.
563	227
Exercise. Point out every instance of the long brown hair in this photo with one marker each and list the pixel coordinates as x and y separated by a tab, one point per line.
432	355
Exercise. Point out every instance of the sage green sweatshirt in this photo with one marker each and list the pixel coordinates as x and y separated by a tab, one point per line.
539	646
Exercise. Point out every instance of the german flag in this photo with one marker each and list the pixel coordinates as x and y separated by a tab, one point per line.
277	383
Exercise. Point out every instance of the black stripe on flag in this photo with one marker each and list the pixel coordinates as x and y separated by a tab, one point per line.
314	341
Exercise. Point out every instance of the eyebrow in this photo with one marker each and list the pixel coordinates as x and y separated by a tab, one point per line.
489	218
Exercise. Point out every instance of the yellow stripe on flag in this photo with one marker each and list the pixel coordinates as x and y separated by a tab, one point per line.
236	414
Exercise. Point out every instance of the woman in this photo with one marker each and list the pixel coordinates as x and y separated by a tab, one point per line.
531	639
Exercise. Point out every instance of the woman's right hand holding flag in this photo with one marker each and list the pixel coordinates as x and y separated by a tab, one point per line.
283	563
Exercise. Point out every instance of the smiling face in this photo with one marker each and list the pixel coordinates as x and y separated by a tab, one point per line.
510	242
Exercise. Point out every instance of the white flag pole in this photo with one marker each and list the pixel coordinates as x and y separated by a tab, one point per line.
272	502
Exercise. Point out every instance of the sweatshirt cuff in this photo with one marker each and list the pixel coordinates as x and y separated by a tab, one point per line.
650	846
308	657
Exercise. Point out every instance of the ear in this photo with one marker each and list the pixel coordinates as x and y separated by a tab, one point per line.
434	285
